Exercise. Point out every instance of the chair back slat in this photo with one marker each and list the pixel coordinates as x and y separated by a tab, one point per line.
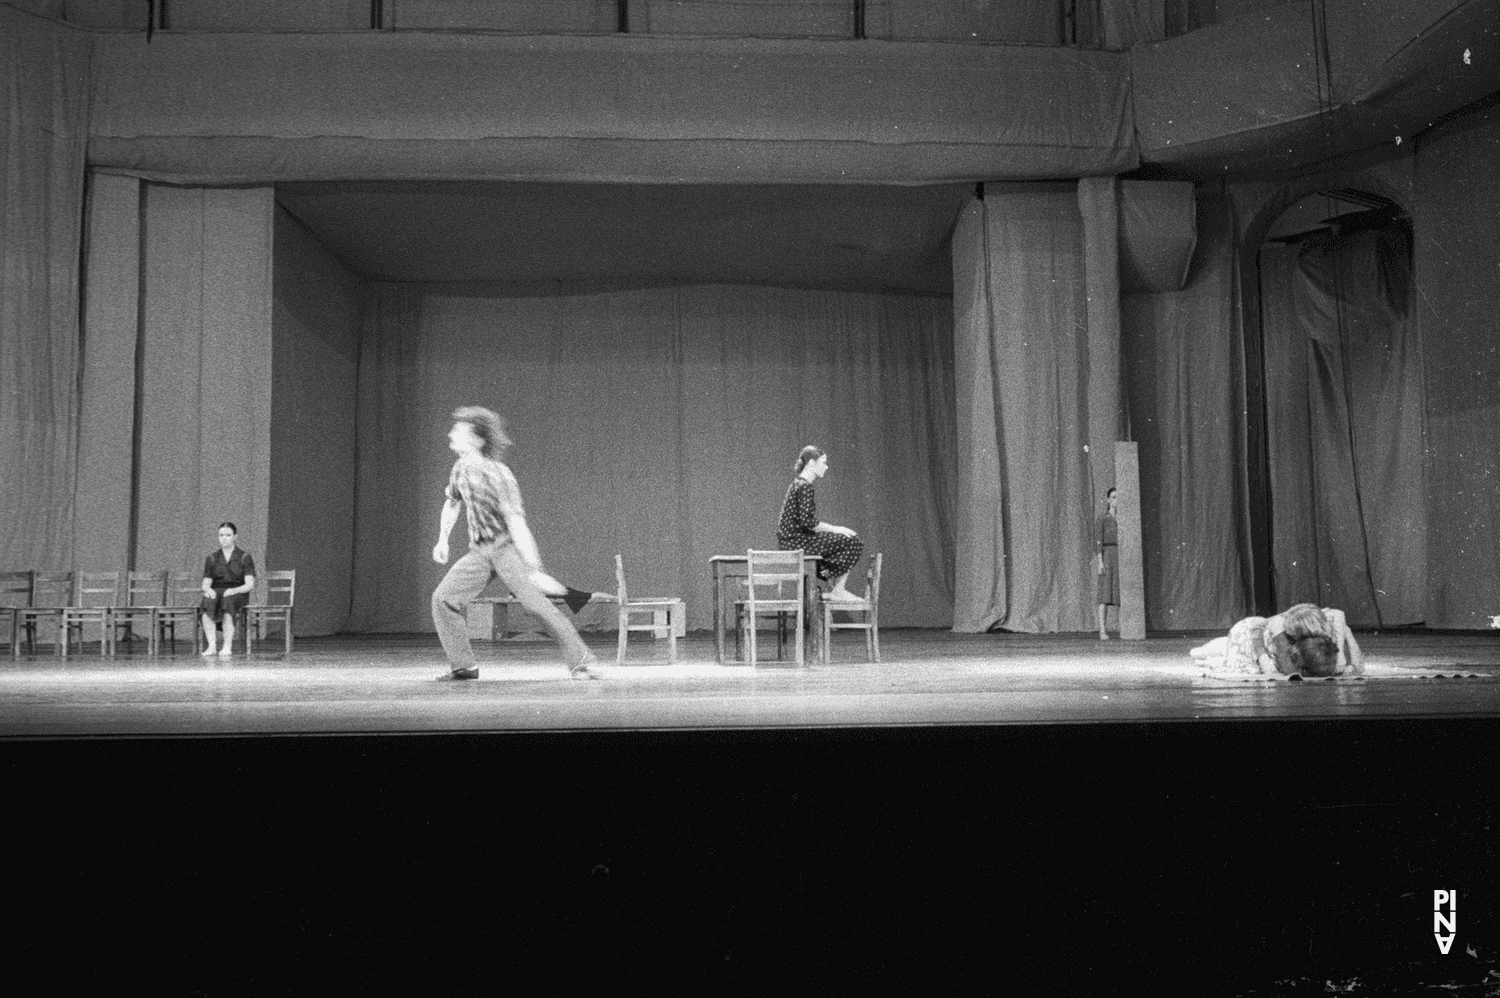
773	568
620	580
146	588
184	588
51	589
15	588
872	579
97	589
280	587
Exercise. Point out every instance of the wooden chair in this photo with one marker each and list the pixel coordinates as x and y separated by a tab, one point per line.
184	596
145	594
95	596
867	610
278	586
15	593
51	592
674	608
773	571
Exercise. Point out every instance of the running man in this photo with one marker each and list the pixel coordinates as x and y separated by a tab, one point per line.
500	543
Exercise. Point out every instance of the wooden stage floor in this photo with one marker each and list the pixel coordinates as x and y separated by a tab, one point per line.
385	684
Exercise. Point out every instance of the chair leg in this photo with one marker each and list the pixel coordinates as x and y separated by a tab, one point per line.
672	618
286	622
624	637
825	629
801	649
750	639
875	639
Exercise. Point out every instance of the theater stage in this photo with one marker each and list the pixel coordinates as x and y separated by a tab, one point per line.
385	684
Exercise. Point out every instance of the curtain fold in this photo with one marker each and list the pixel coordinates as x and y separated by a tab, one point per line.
205	388
1184	361
44	109
660	424
1021	346
1345	418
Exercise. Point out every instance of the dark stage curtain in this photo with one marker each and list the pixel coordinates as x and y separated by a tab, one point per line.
44	104
1183	357
1456	216
1021	356
1345	427
661	424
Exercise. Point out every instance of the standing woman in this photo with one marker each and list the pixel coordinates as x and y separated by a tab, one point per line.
799	527
228	579
1107	560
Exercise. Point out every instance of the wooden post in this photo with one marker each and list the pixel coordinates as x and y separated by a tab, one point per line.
1128	515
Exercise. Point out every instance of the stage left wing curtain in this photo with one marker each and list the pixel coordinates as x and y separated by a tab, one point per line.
44	102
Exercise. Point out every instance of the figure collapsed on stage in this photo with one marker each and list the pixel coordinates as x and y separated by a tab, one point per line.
500	544
1303	640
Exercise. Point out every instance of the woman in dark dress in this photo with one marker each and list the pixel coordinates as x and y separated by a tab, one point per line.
228	579
799	527
1107	560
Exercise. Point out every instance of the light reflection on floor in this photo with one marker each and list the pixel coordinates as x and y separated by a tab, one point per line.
386	684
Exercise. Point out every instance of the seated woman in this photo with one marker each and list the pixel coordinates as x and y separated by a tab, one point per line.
1301	641
228	580
799	527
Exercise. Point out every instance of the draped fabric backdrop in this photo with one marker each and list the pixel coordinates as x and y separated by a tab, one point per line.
1456	216
44	101
205	389
1345	423
661	424
1184	366
1025	531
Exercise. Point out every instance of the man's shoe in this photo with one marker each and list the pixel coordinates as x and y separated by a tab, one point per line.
462	674
589	668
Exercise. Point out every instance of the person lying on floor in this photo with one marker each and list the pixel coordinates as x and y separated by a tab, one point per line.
1301	641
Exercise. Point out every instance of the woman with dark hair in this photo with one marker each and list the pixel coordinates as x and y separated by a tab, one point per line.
1301	641
1107	560
799	527
228	580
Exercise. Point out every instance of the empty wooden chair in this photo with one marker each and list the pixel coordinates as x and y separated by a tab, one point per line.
672	608
15	593
866	613
775	583
145	594
280	589
184	596
95	596
51	592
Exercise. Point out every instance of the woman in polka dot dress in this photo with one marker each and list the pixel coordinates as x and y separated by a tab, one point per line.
799	527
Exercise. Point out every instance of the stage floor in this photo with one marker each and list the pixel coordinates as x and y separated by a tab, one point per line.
385	684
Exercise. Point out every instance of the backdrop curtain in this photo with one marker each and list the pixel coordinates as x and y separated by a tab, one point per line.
1021	353
44	107
1456	215
205	386
1345	424
662	424
1184	367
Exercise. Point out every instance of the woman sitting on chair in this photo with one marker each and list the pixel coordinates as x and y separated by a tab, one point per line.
1302	641
837	547
228	580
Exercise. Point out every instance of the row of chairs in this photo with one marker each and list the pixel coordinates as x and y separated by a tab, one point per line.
774	585
116	602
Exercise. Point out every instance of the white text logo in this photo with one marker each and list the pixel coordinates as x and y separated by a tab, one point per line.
1444	921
